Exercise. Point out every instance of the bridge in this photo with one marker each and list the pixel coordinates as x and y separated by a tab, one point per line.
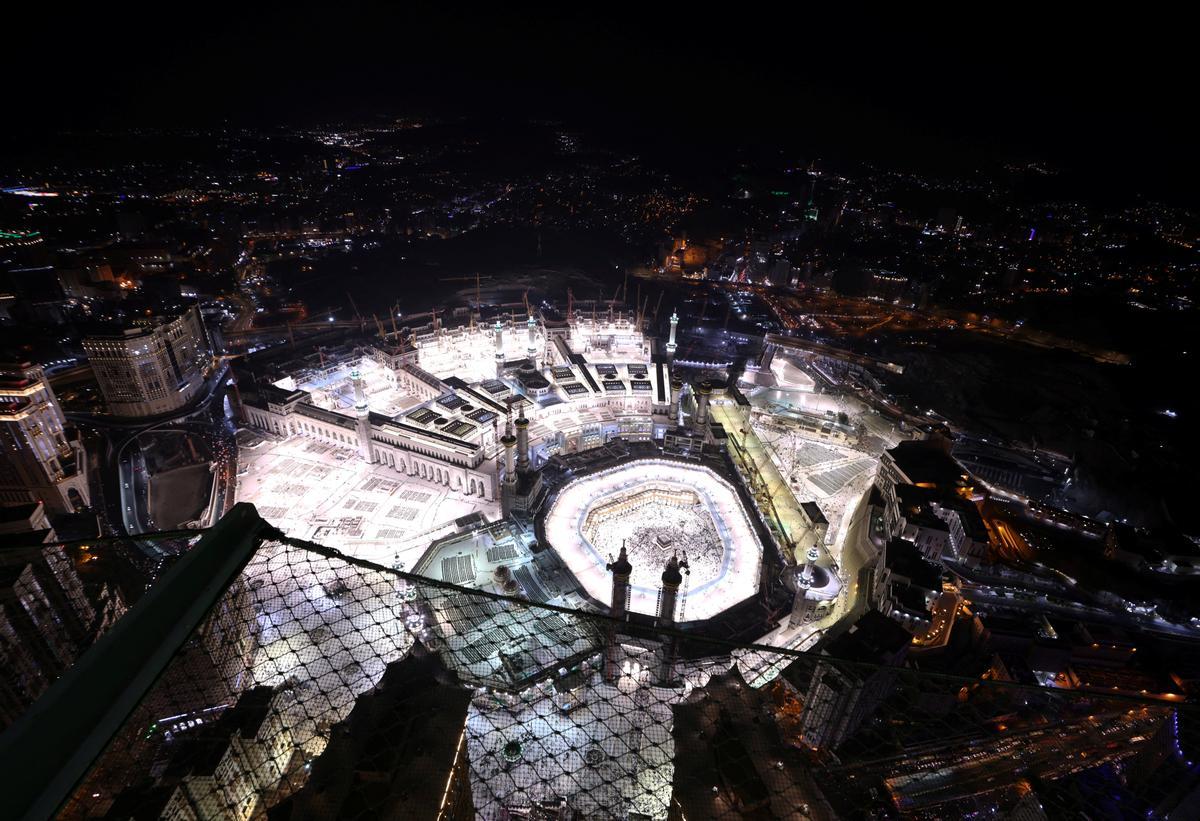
821	349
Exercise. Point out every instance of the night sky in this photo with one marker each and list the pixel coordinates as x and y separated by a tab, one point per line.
1109	99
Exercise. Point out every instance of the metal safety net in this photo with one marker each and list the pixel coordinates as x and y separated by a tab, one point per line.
324	686
58	598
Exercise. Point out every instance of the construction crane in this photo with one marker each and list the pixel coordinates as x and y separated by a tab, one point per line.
357	315
476	279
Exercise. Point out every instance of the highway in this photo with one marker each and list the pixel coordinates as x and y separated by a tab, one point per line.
124	478
807	346
968	767
1018	599
1008	542
945	612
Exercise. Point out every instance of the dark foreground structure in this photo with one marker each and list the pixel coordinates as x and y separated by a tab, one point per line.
264	677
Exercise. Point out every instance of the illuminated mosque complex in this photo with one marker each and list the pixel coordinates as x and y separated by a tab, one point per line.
581	429
573	462
435	409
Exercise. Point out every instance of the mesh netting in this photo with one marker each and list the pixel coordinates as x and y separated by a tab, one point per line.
323	686
57	599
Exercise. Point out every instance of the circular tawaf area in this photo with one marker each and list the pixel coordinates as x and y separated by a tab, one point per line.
656	509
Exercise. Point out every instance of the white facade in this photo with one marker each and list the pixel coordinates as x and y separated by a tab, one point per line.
38	462
460	466
472	352
151	369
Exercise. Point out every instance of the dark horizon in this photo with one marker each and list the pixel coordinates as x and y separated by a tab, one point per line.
1103	100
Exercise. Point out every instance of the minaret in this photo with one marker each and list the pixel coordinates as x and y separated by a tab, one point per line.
510	471
362	414
498	336
668	602
703	392
510	443
522	443
676	391
671	346
621	571
531	346
802	607
812	556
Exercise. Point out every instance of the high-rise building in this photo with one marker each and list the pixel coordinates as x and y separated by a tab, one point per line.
842	693
154	367
40	458
25	525
407	740
208	674
729	762
46	620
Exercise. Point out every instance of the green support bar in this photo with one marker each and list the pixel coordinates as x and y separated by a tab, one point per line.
49	750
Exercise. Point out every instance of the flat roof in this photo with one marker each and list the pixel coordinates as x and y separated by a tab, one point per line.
924	462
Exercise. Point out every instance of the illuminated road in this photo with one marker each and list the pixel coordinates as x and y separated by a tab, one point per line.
857	552
1009	543
851	549
960	770
810	347
1001	597
942	622
123	468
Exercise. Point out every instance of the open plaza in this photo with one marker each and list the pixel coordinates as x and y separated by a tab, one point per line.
314	491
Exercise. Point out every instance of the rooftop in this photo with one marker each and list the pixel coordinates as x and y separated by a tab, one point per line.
873	638
926	462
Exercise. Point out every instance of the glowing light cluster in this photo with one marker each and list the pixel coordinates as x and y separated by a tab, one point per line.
729	575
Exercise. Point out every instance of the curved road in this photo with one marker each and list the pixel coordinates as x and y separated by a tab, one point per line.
123	476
